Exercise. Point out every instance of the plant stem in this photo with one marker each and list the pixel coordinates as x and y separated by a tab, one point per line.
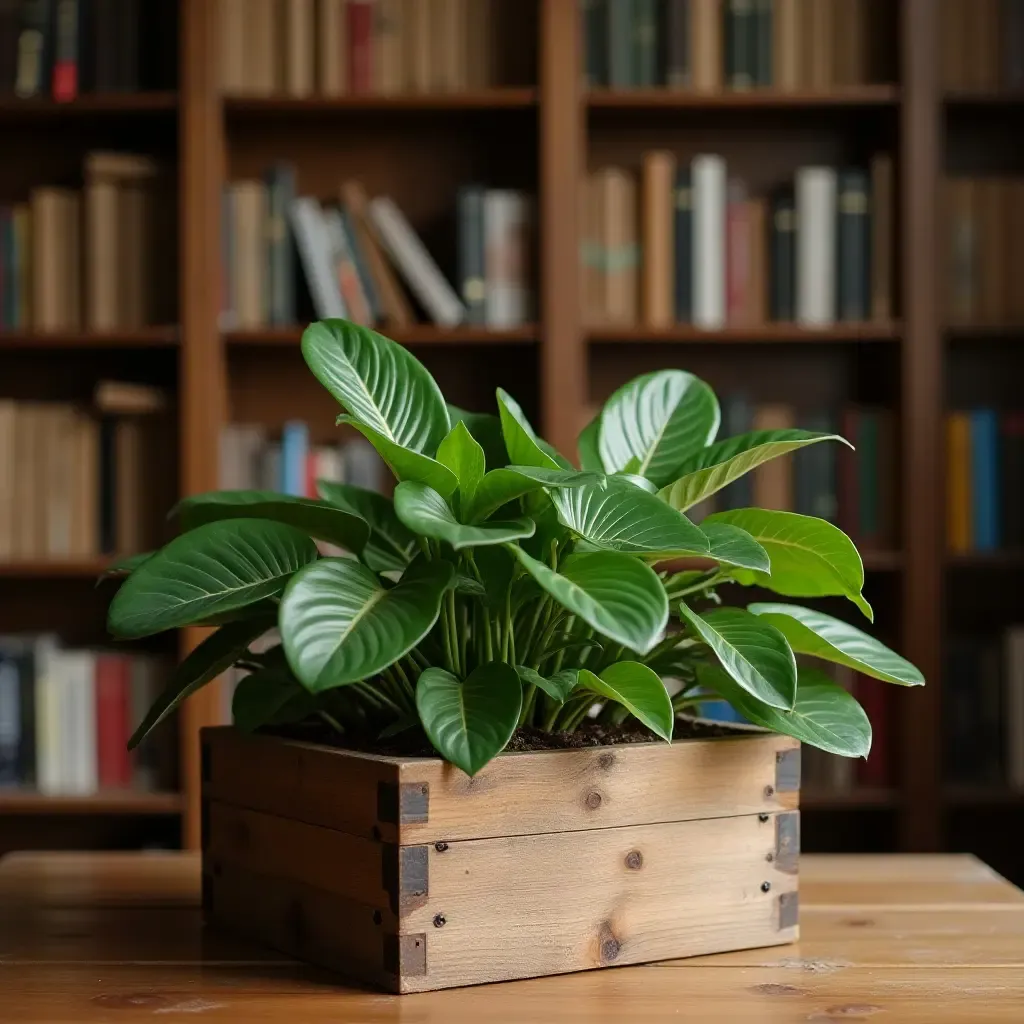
453	629
464	639
529	697
446	638
566	637
331	721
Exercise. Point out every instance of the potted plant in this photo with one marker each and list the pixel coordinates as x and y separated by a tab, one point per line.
361	813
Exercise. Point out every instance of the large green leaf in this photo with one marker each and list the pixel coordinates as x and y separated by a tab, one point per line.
486	428
212	570
269	696
810	557
731	545
587	446
216	654
521	442
638	689
811	632
753	652
824	714
379	383
638	481
340	625
405	463
462	454
319	519
497	567
470	722
391	546
557	687
425	512
660	420
617	594
720	464
618	516
500	486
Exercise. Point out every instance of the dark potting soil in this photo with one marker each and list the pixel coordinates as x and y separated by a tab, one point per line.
592	734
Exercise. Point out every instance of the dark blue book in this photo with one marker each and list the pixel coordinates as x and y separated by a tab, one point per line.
8	275
472	278
280	181
10	721
985	479
814	469
645	43
782	258
294	453
684	245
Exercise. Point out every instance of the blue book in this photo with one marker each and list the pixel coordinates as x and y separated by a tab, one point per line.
985	479
294	452
719	711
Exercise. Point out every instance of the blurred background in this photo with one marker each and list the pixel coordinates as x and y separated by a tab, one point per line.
815	205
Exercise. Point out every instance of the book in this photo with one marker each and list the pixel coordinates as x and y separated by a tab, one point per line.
471	273
1012	442
64	77
294	452
959	473
644	37
280	245
739	249
815	472
876	769
787	45
962	241
113	716
984	480
621	52
853	232
709	199
249	284
595	43
10	722
311	240
678	72
818	36
773	482
707	18
763	43
360	42
972	710
299	32
1014	735
1012	31
782	304
389	27
367	283
506	228
658	269
815	245
343	261
332	47
883	237
10	30
683	238
8	466
35	49
740	44
619	244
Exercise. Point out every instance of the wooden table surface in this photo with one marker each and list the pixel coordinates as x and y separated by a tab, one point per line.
118	938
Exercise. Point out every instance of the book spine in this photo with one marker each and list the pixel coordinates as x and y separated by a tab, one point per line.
816	245
314	254
299	27
35	48
740	29
853	228
280	245
621	72
332	48
622	258
340	257
815	473
10	721
787	44
360	42
783	258
773	482
958	482
737	253
367	287
737	418
504	226
1014	669
677	44
708	241
48	742
472	282
111	730
707	17
1012	31
1012	441
882	237
294	453
595	43
764	48
658	244
645	43
820	43
64	80
756	311
961	205
25	662
684	245
985	479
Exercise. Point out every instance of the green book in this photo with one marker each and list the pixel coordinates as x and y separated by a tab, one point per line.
621	73
740	27
763	70
595	40
645	43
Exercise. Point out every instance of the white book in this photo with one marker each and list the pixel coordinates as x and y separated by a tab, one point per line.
1014	675
49	750
314	254
708	177
415	263
816	245
506	231
78	722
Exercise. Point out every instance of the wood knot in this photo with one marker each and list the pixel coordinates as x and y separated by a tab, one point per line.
775	989
859	922
593	800
606	760
634	860
610	945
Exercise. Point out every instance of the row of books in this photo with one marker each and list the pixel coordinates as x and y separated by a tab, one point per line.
101	258
982	44
686	243
79	482
984	480
337	47
983	709
66	717
65	48
362	259
983	248
708	45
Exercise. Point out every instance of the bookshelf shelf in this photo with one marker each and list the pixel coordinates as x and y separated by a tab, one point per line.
984	98
480	99
56	570
859	798
985	332
115	802
419	334
756	99
143	337
772	333
1010	560
882	561
984	796
106	104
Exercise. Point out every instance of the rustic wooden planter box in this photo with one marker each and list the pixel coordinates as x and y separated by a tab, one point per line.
406	874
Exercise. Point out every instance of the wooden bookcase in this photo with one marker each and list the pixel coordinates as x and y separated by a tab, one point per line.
542	134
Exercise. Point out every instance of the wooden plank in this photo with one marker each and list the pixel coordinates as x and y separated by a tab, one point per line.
525	906
565	790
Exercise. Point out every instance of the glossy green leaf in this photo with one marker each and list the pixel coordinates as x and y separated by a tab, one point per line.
425	512
732	545
469	722
587	446
752	651
212	570
660	420
500	486
486	428
379	383
521	442
638	481
638	689
557	687
617	594
812	632
216	654
618	516
319	519
809	557
340	625
405	463
718	465
269	696
824	714
462	454
391	546
496	566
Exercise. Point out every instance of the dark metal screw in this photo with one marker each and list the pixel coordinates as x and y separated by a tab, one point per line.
769	791
762	818
765	887
440	921
769	857
440	847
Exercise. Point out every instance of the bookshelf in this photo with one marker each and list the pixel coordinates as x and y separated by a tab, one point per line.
541	130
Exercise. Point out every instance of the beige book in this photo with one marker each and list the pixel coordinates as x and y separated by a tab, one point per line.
445	34
332	47
71	260
299	33
86	523
883	239
773	481
591	252
25	467
846	60
620	245
992	249
47	216
131	251
8	481
658	262
419	15
128	500
388	46
786	44
481	58
706	21
1015	254
105	163
102	264
756	312
60	470
23	237
263	50
819	44
126	398
250	252
232	32
961	249
41	447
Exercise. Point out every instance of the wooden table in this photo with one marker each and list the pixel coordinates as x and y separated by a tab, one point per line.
118	938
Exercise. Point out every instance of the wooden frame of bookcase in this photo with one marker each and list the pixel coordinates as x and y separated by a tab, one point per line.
561	110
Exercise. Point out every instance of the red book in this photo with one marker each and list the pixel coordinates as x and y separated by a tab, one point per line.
739	250
849	482
873	696
64	84
360	45
113	695
311	474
